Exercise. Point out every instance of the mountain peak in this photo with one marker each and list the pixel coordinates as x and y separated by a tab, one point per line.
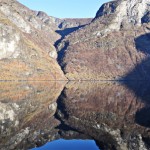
134	12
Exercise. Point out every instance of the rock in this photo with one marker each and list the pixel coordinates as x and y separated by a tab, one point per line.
53	107
53	54
9	42
7	112
130	11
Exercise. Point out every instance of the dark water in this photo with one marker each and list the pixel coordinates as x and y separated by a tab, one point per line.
74	115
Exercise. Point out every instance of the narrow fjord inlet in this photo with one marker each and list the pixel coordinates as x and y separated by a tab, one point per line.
75	83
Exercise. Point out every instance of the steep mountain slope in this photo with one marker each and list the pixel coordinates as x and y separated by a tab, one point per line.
27	50
26	45
114	46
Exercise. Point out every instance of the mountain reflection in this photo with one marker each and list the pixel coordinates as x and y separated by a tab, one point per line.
105	112
110	113
26	113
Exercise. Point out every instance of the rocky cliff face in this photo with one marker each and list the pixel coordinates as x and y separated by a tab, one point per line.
26	45
114	46
27	21
130	12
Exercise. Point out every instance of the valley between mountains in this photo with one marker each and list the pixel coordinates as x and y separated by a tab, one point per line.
112	46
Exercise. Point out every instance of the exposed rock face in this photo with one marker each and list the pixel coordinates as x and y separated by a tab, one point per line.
107	112
114	44
27	21
130	11
26	45
9	47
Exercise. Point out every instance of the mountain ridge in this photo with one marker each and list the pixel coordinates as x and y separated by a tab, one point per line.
107	48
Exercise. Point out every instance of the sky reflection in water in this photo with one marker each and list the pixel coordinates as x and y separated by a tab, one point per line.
69	145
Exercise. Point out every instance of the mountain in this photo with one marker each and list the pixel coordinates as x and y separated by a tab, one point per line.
27	50
26	45
63	23
115	45
62	26
112	46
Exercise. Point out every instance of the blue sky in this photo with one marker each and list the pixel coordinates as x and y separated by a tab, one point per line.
66	8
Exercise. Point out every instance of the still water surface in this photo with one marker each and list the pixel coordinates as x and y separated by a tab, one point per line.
74	115
69	145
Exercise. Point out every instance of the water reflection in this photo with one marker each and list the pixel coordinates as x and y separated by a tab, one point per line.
69	145
142	92
26	113
104	112
108	112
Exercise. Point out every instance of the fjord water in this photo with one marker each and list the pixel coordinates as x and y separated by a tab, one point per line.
69	145
75	115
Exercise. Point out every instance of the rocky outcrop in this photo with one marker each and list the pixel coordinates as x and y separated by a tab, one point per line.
112	46
26	45
27	21
126	11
